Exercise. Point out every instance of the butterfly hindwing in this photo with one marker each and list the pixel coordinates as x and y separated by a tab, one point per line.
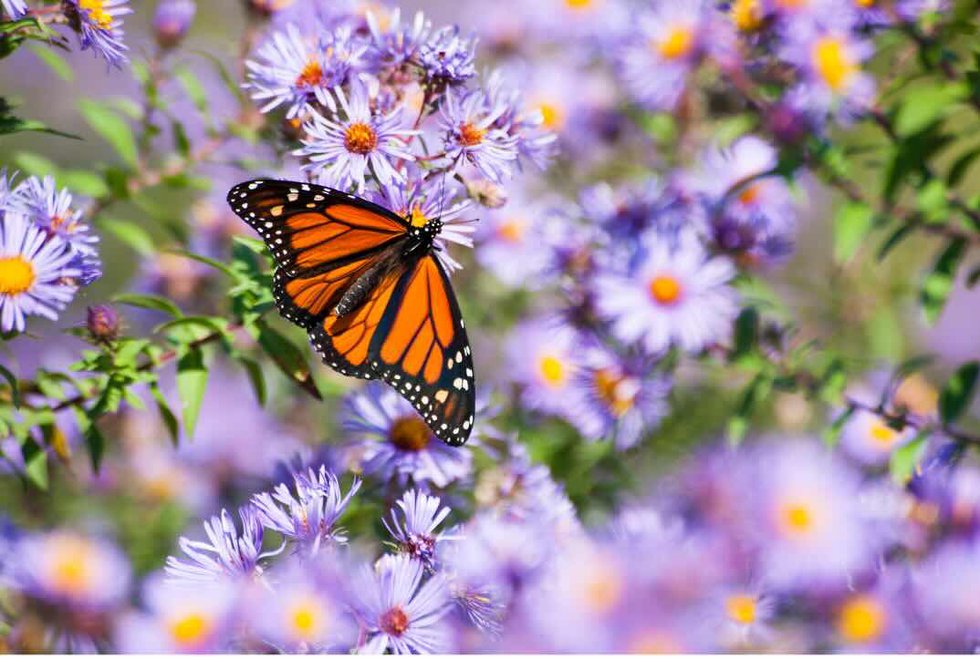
310	228
422	350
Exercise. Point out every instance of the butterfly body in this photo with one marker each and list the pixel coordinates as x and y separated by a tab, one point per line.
369	289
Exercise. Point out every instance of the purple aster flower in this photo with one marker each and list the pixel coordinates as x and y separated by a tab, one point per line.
181	617
622	399
421	200
415	528
37	275
52	209
446	58
308	517
749	209
171	20
517	242
913	10
341	151
667	42
300	615
524	124
543	356
14	8
66	568
99	27
392	43
399	611
392	442
467	120
226	553
829	61
677	295
877	619
815	536
944	588
742	616
294	70
870	440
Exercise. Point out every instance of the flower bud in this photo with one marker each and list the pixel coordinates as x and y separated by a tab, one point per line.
102	322
486	193
172	20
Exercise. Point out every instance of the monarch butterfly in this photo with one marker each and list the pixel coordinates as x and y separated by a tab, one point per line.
367	287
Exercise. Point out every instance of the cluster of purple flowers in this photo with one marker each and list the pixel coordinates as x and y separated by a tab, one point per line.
393	108
46	251
783	545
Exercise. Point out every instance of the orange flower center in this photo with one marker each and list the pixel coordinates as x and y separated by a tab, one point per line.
311	75
394	621
417	218
470	135
552	370
665	290
552	116
882	434
749	194
746	14
360	138
511	231
609	386
409	433
16	275
189	630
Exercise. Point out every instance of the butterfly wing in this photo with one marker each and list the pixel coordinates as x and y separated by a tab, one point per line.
310	228
422	350
322	240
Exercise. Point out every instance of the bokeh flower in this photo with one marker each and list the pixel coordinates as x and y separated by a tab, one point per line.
99	27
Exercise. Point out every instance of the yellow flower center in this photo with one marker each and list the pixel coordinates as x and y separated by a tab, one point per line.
552	116
678	43
861	620
16	275
833	63
72	573
394	621
511	231
792	4
552	370
746	14
97	13
609	386
311	75
865	4
360	138
882	434
603	590
304	618
417	218
796	518
654	642
470	135
578	4
189	630
409	433
665	290
741	609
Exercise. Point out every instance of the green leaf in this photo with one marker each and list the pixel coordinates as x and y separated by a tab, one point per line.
192	379
905	459
958	392
35	464
146	301
939	283
961	166
931	200
84	182
290	359
9	123
55	62
895	239
925	106
166	414
831	435
193	88
130	233
114	129
255	376
746	332
94	439
35	164
852	223
12	380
